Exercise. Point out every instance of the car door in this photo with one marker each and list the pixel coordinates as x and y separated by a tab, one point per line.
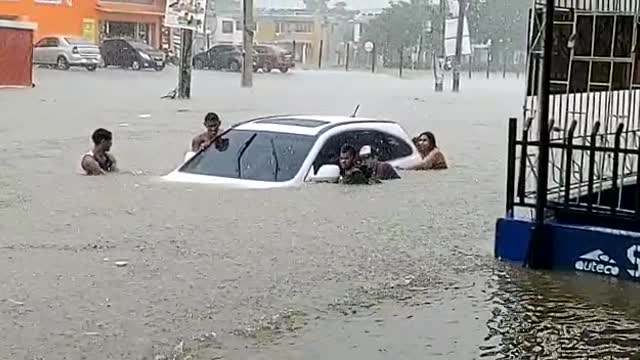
126	53
219	57
211	56
51	50
106	51
40	51
54	50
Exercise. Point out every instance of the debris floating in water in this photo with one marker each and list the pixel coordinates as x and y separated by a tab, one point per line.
15	302
122	263
144	116
123	124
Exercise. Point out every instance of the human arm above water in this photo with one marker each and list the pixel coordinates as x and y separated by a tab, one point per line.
91	166
196	143
433	161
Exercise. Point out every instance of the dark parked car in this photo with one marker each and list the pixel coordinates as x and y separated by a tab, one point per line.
131	54
220	57
273	57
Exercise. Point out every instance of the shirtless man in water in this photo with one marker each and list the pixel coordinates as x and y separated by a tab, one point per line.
99	161
212	123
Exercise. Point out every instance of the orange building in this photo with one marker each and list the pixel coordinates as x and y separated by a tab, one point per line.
63	17
91	19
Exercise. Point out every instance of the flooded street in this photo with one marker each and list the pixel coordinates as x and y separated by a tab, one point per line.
402	270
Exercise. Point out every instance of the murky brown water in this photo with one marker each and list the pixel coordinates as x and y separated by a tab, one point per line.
402	270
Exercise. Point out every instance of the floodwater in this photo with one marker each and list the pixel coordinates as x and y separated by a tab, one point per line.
402	270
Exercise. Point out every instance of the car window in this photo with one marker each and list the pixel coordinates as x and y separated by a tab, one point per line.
330	152
269	156
389	147
53	42
107	44
218	49
43	43
121	44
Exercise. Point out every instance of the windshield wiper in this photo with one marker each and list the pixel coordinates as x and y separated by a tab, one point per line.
275	158
244	148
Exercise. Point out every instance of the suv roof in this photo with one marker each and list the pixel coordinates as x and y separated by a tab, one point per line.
303	124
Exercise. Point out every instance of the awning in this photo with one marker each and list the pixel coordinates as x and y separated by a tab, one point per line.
130	9
22	25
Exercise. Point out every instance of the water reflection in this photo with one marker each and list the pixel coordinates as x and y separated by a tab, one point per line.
549	316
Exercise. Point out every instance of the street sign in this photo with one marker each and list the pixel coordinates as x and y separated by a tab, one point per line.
185	14
368	46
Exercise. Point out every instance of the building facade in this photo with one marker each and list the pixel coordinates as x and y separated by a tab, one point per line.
136	19
302	29
60	17
91	19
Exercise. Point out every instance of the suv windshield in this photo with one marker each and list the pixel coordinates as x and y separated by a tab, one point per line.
253	155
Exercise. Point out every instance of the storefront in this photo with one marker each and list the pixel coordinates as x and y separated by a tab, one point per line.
140	22
132	30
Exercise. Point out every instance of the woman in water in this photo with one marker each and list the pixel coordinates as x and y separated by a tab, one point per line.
432	157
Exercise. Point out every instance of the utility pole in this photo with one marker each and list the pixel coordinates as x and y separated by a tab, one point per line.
462	4
247	43
184	75
438	68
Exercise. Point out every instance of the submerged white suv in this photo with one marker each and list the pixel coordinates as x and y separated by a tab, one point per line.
282	151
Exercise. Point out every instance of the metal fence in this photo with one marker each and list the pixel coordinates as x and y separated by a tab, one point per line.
594	110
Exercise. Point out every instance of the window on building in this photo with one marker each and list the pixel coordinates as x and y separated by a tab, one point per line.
239	25
49	1
227	27
303	27
298	26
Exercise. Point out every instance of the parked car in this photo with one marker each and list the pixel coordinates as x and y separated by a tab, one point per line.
65	52
221	57
284	151
131	54
273	57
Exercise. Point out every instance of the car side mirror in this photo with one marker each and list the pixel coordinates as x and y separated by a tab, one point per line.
326	173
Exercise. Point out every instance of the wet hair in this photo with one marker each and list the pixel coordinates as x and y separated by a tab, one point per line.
211	117
348	149
431	137
101	134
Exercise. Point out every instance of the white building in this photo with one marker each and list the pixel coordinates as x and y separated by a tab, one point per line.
226	30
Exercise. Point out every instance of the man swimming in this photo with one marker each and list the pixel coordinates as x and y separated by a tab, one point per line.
99	161
212	124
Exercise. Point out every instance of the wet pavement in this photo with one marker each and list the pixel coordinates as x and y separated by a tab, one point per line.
402	270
